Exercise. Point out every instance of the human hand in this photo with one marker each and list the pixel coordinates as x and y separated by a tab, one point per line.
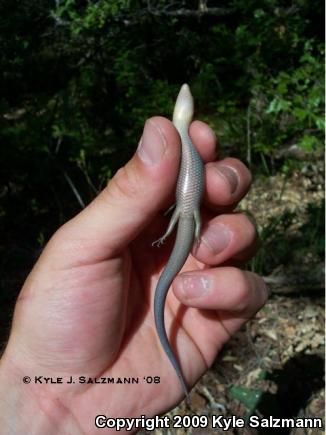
86	307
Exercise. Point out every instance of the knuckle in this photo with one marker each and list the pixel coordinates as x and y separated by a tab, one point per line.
124	184
59	237
62	241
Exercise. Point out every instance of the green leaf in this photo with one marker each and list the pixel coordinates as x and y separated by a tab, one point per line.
259	13
278	105
320	124
299	113
308	143
250	398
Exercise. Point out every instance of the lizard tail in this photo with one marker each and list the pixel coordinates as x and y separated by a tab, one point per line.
180	252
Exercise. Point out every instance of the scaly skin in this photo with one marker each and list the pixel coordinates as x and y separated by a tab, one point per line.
189	192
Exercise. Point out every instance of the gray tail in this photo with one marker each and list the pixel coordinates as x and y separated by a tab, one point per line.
180	252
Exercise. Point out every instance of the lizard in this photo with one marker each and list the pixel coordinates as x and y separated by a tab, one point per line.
189	191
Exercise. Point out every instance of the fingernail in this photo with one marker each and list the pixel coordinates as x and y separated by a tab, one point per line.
152	144
216	237
229	175
194	285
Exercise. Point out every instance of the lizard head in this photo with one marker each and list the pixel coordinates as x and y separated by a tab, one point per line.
183	109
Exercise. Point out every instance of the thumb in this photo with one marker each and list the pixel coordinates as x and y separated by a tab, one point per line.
130	200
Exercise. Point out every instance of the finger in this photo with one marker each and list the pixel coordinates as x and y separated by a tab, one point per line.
225	288
233	296
227	237
205	140
227	182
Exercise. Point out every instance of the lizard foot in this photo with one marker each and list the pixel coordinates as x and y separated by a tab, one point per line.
159	242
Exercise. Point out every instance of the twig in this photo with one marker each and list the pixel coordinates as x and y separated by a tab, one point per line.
248	135
296	282
58	144
215	405
74	189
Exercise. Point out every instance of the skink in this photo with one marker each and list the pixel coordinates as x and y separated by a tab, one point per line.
189	192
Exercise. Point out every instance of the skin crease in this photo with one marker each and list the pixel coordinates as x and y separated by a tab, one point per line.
86	307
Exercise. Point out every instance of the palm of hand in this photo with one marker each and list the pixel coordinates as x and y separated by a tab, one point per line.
104	327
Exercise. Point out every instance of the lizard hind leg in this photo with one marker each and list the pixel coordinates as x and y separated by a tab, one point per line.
170	228
197	219
169	209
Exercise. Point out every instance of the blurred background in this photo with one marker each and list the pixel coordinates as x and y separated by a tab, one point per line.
79	79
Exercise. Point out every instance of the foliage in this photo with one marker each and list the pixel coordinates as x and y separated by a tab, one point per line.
78	80
289	108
